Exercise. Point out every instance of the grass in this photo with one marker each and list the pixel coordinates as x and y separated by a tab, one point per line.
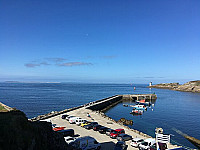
2	109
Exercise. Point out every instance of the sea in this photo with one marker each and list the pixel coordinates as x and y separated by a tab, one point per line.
174	111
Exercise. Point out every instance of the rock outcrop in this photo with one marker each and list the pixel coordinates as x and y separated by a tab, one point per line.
166	85
192	86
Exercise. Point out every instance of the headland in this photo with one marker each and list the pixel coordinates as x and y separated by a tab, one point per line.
192	86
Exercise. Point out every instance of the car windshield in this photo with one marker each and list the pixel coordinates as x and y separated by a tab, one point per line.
115	132
145	143
140	140
70	139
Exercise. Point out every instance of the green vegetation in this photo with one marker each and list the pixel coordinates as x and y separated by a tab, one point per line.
2	109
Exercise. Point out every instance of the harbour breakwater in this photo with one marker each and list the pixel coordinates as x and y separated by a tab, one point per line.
99	105
192	86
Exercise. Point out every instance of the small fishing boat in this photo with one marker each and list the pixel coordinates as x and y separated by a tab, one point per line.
139	107
143	102
136	112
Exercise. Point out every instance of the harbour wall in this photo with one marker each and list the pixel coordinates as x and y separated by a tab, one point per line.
99	105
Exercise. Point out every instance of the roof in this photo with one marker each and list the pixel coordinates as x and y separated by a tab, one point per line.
85	137
137	139
119	129
149	140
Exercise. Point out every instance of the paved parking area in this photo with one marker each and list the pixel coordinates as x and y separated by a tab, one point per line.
106	142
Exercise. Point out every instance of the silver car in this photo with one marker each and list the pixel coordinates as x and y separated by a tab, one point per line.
124	137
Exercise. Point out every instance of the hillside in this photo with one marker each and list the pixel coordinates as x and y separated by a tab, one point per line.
17	133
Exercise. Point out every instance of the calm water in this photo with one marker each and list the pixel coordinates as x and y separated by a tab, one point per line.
172	109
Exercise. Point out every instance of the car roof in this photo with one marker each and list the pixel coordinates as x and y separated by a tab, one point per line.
123	134
119	129
120	142
68	137
65	130
149	140
103	127
85	137
137	139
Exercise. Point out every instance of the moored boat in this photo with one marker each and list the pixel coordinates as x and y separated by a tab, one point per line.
137	112
143	102
139	107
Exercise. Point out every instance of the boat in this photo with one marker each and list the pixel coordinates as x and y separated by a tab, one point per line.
143	102
139	107
136	112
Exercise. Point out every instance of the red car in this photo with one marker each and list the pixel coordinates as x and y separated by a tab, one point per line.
58	128
116	132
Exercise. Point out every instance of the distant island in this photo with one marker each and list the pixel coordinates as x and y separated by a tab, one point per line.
192	86
28	82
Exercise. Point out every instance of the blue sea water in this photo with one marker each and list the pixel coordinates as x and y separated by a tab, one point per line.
173	110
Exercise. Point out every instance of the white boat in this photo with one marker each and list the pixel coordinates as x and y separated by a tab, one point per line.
139	107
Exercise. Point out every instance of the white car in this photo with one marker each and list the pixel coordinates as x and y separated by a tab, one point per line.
73	119
79	121
146	144
86	143
68	117
69	139
136	141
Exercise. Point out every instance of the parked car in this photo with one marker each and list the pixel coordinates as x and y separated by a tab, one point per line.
116	132
136	141
108	131
69	139
68	132
162	146
120	145
85	143
124	137
85	123
73	119
90	126
97	127
146	144
102	130
64	116
58	128
68	117
79	121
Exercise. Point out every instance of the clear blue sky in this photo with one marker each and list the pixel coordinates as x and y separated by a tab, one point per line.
120	41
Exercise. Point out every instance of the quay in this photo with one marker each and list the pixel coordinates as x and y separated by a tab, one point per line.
95	109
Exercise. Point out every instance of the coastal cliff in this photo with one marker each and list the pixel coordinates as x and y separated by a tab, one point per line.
192	86
16	132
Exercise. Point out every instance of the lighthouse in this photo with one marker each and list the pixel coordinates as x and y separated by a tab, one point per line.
150	83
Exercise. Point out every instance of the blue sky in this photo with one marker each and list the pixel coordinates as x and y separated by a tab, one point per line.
100	40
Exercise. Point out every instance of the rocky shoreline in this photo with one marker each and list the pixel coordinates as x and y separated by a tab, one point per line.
192	86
